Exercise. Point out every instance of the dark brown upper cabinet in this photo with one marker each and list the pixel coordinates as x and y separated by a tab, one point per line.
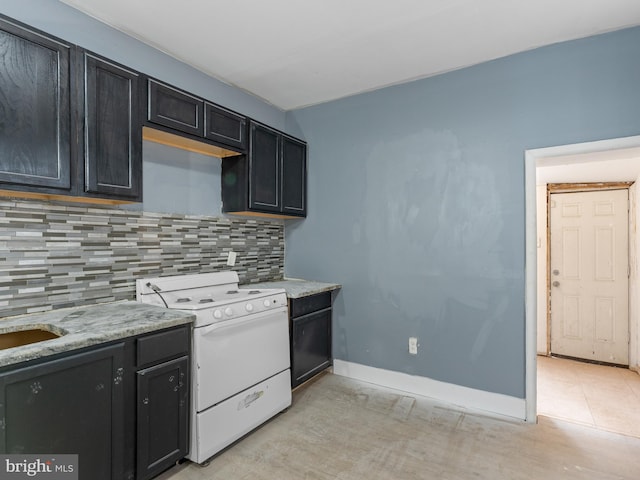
177	112
264	169
271	179
225	126
70	121
112	129
35	110
175	109
294	176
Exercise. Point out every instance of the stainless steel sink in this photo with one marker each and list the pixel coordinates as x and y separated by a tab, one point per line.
17	338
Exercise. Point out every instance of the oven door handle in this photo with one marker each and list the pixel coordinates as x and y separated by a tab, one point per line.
216	327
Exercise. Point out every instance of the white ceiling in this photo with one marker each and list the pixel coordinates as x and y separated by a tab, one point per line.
294	53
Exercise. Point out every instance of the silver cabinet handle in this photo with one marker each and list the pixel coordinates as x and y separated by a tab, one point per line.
556	283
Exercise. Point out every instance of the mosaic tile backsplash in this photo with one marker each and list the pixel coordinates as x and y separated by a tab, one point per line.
55	255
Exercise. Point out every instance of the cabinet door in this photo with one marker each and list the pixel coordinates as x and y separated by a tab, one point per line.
113	130
264	169
175	109
310	345
71	405
224	126
294	177
163	416
35	114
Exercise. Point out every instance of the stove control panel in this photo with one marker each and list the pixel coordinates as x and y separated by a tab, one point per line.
249	307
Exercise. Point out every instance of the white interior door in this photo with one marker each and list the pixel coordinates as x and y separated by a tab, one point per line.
589	275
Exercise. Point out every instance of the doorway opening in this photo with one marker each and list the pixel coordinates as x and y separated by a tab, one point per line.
587	292
616	160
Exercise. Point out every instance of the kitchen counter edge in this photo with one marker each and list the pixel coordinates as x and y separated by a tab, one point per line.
296	287
87	326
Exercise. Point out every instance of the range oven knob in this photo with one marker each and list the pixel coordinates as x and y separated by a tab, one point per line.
266	303
249	307
217	314
228	312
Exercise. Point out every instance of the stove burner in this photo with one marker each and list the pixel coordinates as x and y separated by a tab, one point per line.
253	292
183	300
231	292
206	300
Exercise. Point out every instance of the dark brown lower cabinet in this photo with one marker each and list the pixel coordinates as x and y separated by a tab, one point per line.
122	407
70	405
310	336
163	416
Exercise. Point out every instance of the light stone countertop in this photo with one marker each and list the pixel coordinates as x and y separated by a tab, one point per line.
296	287
86	326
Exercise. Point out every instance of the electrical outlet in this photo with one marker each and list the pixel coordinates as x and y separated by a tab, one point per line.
231	259
413	345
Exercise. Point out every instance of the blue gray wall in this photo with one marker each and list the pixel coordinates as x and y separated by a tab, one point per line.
417	204
178	181
175	181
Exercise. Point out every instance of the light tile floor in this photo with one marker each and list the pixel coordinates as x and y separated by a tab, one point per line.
342	429
607	398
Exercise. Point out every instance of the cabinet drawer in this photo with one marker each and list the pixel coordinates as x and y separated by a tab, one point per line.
312	303
159	346
175	109
224	126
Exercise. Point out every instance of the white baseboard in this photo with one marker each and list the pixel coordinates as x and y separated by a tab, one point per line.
468	398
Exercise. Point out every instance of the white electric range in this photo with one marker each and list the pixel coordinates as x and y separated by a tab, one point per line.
241	366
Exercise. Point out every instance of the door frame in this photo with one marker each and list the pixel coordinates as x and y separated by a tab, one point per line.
575	188
533	158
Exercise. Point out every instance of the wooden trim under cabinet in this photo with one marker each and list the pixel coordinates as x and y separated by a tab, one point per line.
61	198
183	143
